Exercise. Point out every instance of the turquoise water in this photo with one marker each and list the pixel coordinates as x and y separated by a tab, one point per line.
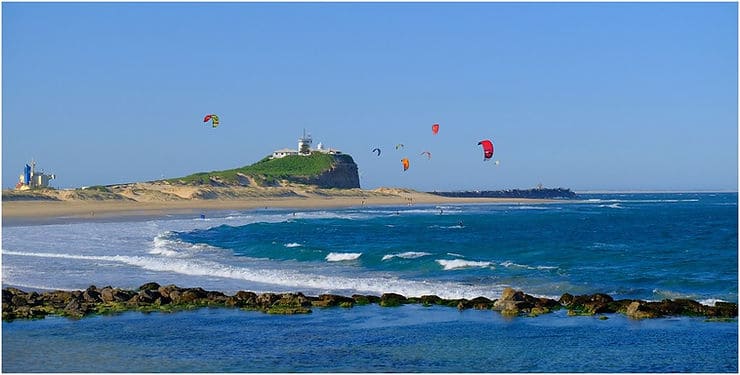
631	246
646	246
368	339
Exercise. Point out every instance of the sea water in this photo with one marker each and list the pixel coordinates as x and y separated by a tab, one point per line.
642	246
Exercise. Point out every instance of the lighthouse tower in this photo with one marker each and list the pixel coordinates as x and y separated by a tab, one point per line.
304	144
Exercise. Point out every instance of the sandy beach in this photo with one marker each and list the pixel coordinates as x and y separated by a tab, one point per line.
21	212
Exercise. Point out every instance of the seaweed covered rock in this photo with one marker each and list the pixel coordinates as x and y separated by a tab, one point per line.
589	304
17	304
330	300
392	299
513	302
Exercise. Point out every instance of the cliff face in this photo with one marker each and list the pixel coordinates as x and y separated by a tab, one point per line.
342	175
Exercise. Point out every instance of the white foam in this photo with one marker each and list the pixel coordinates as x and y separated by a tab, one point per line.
462	263
640	200
340	257
164	245
510	264
457	226
530	207
290	278
406	255
292	244
710	301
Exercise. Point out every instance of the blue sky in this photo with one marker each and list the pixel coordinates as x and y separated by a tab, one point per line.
607	96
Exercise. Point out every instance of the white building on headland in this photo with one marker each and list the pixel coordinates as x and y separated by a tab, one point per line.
304	148
30	179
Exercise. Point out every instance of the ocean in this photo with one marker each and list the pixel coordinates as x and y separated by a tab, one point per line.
641	246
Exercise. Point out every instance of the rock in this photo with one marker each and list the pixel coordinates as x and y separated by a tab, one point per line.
566	299
109	294
175	296
191	295
242	299
430	300
18	300
548	303
517	301
365	300
106	294
149	286
166	290
148	296
330	300
91	295
76	309
640	310
481	303
7	296
724	310
292	300
266	300
509	294
501	305
588	304
679	307
57	299
392	299
152	297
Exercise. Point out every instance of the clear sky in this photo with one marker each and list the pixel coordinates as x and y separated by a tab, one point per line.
588	96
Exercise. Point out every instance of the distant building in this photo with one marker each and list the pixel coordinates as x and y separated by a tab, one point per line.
304	148
30	179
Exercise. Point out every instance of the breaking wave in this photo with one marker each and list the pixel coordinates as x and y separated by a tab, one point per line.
406	255
462	263
340	257
290	278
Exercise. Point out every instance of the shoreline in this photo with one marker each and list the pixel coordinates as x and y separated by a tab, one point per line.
30	212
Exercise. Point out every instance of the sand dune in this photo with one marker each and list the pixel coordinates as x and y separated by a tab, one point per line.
147	200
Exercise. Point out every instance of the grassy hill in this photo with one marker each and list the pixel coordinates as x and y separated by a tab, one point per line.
269	171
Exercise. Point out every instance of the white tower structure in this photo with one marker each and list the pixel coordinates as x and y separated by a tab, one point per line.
304	144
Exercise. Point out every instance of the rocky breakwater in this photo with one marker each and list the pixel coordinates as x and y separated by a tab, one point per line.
18	304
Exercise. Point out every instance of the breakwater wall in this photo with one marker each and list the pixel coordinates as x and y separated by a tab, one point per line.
19	304
541	193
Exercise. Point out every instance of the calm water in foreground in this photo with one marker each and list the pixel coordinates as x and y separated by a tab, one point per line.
646	246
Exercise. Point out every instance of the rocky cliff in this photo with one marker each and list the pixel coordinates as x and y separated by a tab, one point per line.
342	175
